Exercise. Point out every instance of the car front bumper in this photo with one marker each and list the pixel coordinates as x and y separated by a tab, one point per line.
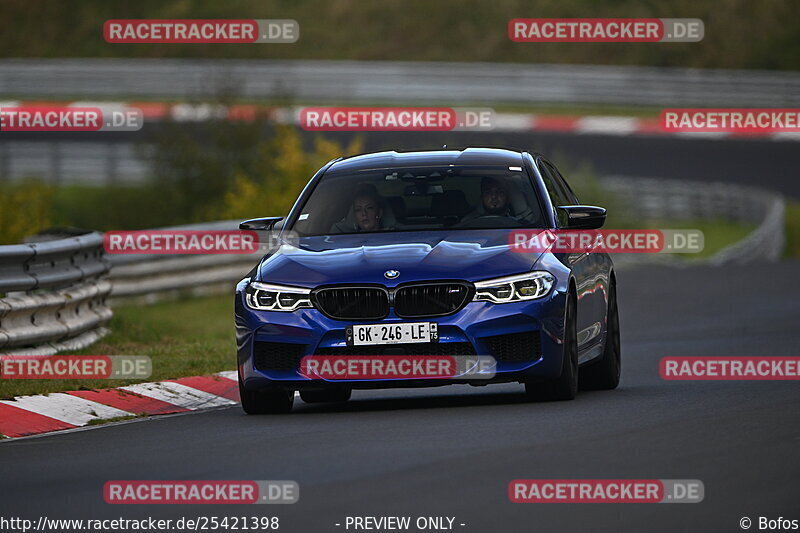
270	344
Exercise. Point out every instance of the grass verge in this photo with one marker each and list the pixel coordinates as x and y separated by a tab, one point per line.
717	234
792	219
183	338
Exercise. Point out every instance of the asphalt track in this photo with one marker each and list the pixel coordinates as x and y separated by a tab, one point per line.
452	451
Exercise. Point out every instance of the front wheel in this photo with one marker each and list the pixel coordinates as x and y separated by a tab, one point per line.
262	402
605	373
564	387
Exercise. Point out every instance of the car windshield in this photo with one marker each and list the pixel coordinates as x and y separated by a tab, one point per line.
420	198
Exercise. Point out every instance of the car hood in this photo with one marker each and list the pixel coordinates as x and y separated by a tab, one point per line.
466	254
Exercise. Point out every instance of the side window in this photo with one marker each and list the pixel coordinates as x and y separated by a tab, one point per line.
563	185
557	194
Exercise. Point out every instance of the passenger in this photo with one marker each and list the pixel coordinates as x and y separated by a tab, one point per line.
366	212
367	208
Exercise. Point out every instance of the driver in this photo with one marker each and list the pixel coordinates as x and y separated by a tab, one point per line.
494	195
495	201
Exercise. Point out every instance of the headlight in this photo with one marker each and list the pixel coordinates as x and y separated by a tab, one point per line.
267	297
517	288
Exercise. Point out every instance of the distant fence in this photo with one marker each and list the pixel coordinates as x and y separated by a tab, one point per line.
397	81
105	161
111	160
52	295
57	292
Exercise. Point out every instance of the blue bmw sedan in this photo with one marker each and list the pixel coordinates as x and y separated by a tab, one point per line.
407	255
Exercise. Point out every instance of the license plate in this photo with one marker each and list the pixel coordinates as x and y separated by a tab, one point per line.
403	333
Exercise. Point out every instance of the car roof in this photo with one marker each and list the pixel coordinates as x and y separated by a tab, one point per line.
441	157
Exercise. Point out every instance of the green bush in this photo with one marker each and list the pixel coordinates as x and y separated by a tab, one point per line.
738	33
25	208
111	207
236	170
284	170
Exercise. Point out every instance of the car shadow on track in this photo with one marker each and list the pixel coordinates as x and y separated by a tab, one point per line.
444	401
597	399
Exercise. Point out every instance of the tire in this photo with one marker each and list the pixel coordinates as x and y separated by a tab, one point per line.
333	394
605	373
262	402
565	386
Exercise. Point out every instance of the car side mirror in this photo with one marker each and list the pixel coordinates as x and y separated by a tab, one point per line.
584	216
260	224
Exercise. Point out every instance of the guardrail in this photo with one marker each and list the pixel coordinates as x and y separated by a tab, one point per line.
398	81
53	297
57	300
150	278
